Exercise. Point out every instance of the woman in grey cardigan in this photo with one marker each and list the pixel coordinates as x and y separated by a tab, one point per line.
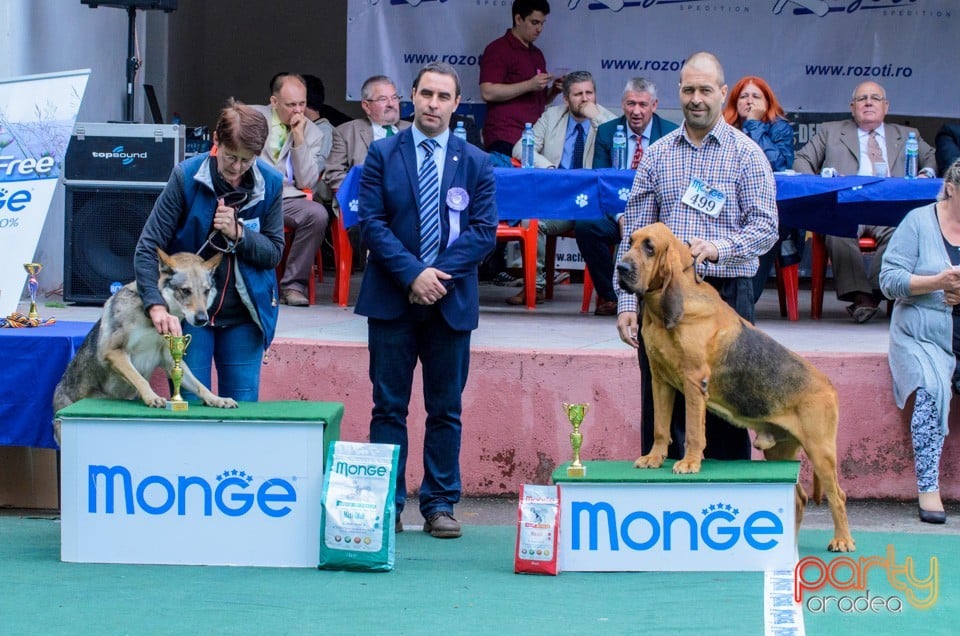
921	269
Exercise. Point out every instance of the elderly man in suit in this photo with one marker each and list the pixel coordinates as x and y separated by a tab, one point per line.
295	148
428	217
564	137
862	145
595	237
380	101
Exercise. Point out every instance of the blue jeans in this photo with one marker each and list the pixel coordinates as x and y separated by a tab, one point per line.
238	354
444	354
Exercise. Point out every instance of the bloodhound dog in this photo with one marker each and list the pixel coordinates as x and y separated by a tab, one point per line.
699	346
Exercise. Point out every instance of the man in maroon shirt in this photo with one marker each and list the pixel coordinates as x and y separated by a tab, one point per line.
513	78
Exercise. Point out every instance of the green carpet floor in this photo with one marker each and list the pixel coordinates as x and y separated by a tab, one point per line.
464	586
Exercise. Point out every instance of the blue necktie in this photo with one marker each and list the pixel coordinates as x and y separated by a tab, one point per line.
429	204
577	161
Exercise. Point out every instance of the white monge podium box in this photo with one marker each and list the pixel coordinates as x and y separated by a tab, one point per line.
202	487
731	516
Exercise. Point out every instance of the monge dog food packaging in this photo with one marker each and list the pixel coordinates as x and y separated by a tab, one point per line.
537	529
357	529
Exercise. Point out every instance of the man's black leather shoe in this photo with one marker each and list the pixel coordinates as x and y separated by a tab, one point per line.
442	525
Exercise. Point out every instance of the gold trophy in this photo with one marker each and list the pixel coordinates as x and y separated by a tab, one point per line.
178	346
575	413
33	269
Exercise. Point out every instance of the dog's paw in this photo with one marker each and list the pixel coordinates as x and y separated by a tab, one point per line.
155	401
221	402
649	461
686	467
839	544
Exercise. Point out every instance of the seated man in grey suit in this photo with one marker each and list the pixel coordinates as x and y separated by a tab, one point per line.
564	137
380	101
862	145
595	237
295	148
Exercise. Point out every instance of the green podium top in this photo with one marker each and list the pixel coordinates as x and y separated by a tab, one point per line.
291	411
711	471
328	414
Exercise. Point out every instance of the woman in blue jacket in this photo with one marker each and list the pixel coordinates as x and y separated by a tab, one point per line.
223	201
753	108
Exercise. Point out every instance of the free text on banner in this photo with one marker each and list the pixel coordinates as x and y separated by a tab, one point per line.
37	114
812	52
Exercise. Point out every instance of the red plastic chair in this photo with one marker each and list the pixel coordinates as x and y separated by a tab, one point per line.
528	249
818	265
788	289
550	259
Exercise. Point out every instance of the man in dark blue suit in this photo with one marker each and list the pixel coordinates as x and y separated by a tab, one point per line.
595	237
420	288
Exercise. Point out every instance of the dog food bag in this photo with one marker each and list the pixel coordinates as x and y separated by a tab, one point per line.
357	530
537	529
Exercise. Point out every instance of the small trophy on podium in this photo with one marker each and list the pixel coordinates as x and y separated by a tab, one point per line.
575	413
178	346
32	270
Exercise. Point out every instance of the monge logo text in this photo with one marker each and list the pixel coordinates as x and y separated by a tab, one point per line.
231	494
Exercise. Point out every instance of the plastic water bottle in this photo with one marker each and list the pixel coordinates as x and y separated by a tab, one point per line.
460	132
115	286
911	156
526	146
619	149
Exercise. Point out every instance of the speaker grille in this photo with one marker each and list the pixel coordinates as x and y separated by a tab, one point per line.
103	225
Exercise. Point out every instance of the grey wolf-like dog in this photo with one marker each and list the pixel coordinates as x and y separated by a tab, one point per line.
123	348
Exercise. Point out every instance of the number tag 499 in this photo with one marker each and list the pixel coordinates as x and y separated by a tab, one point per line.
703	198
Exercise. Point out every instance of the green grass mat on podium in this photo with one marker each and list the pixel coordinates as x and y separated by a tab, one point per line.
711	471
328	413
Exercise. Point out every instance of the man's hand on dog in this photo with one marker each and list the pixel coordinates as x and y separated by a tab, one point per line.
628	326
164	321
704	251
428	288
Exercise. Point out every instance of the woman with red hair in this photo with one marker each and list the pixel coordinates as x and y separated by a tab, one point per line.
753	108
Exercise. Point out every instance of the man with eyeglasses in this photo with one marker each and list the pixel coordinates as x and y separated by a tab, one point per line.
863	145
295	148
351	141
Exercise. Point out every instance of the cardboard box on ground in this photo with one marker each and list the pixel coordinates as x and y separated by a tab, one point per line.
28	478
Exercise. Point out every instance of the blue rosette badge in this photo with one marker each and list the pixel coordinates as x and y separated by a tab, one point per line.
457	199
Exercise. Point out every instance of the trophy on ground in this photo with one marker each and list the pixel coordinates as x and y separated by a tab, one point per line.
178	346
575	413
33	269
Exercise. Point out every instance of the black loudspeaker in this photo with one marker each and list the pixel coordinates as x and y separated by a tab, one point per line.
103	224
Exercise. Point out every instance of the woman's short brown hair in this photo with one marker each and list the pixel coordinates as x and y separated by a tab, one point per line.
241	127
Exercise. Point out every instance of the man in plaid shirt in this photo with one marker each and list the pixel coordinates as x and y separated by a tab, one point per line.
712	185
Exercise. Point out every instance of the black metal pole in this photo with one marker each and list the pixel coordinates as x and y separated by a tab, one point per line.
132	62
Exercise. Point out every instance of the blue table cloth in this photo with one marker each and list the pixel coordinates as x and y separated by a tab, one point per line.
35	359
829	206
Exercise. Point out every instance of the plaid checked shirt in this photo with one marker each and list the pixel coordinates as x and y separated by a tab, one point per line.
727	160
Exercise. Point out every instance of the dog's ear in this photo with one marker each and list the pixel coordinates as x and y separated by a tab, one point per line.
213	262
166	265
671	298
